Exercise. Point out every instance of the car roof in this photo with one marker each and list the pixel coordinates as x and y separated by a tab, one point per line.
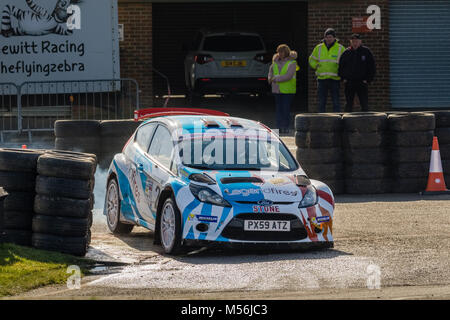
189	123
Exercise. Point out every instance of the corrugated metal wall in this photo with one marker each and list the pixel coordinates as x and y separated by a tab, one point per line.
176	23
419	42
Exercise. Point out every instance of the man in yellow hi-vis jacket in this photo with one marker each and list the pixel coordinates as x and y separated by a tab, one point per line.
325	61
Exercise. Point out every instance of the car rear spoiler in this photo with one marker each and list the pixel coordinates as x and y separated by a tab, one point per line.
143	114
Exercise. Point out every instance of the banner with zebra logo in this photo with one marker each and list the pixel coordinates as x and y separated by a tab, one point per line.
53	40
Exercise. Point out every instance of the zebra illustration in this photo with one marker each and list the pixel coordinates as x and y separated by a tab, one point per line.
37	21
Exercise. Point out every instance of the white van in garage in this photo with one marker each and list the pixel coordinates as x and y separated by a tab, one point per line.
227	62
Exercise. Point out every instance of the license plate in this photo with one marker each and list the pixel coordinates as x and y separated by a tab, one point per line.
233	63
267	225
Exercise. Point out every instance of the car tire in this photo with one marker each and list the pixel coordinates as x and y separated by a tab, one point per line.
77	246
367	186
443	135
72	154
17	220
19	160
411	154
359	140
409	185
316	156
69	167
17	181
113	210
413	121
411	138
365	155
19	237
170	227
77	128
79	144
317	139
411	170
324	171
19	201
366	171
68	188
60	226
337	186
364	122
61	206
444	151
442	118
318	122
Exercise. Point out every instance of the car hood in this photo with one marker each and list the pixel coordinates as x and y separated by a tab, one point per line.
255	186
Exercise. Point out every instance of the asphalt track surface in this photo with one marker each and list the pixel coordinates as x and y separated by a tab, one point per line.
390	246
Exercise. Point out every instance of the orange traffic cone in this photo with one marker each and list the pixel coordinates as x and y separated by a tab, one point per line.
436	182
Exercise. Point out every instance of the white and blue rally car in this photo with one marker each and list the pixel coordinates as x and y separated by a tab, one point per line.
200	177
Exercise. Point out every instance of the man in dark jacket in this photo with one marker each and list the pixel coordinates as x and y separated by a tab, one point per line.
357	69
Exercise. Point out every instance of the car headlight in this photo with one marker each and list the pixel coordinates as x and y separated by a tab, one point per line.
205	194
310	197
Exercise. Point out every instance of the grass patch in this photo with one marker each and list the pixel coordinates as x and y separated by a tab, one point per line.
23	268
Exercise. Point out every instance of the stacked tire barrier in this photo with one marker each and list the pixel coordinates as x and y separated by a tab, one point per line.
442	132
18	177
102	138
319	148
78	135
411	138
365	156
114	134
63	203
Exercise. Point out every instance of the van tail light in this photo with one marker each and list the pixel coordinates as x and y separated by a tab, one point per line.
203	58
263	58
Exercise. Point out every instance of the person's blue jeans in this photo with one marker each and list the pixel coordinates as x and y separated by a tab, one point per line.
283	109
322	94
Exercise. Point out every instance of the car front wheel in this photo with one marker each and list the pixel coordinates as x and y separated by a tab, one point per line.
170	227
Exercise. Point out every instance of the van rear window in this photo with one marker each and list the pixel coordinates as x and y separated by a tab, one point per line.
232	43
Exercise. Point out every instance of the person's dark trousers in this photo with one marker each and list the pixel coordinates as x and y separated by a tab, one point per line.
360	88
322	91
283	108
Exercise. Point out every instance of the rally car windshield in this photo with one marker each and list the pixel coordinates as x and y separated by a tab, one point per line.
235	153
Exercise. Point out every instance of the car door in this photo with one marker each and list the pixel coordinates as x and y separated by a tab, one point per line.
136	177
160	153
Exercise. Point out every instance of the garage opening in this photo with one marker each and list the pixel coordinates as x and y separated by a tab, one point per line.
175	26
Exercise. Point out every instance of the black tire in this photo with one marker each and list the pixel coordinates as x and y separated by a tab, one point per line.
63	207
318	122
77	128
411	170
411	185
69	167
19	201
17	181
358	140
118	128
113	219
366	171
85	145
414	121
175	246
410	154
366	155
113	145
19	160
69	188
442	118
77	246
324	171
411	138
72	154
317	139
60	226
316	156
365	122
444	150
443	135
367	186
19	237
17	220
446	166
337	186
